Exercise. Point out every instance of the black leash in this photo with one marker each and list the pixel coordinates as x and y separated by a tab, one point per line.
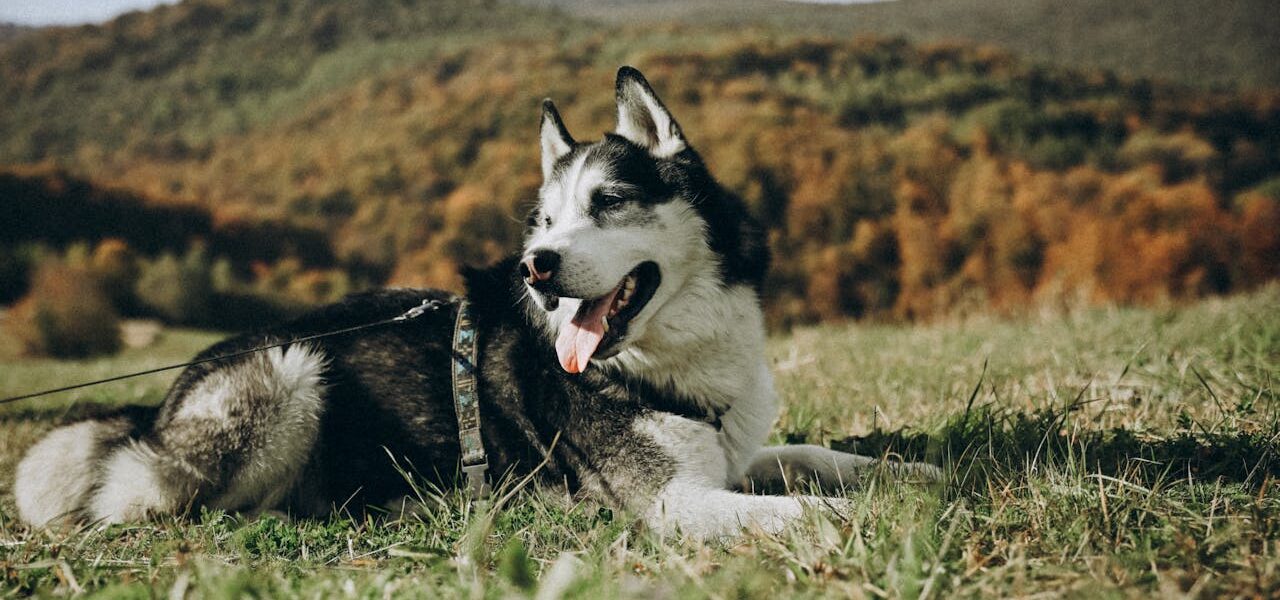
408	315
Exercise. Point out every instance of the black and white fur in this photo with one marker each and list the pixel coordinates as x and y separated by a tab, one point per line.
333	423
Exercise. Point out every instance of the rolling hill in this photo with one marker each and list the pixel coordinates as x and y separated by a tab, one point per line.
898	179
1232	43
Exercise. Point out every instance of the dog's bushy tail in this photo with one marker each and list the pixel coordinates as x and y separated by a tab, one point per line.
233	435
58	476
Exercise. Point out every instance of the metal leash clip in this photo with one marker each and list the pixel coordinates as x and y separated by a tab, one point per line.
477	485
421	309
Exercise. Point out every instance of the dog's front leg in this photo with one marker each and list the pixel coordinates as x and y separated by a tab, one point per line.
777	469
693	500
698	510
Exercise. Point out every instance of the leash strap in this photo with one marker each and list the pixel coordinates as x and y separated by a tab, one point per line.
409	315
465	394
466	402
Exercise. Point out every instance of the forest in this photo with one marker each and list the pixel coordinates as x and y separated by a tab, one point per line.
395	143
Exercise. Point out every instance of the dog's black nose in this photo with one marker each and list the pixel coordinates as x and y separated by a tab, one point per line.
539	266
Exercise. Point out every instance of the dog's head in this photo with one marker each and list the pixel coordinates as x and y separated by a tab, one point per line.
631	237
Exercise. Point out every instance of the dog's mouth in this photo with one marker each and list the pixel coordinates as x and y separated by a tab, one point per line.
599	327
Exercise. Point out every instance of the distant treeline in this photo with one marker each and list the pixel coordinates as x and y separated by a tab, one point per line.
897	181
57	209
45	214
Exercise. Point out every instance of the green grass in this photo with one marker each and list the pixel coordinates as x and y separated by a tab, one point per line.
1104	452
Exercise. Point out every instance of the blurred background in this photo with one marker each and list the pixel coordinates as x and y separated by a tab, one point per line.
227	163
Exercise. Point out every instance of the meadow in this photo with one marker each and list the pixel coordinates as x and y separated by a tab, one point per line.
1117	452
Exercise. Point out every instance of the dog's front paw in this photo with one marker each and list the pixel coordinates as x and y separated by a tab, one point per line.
912	472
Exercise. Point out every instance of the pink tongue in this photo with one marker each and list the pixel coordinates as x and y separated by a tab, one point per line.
580	337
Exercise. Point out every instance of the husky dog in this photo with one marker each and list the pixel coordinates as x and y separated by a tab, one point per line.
622	353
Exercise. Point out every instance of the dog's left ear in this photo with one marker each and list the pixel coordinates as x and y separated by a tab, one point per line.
556	141
643	119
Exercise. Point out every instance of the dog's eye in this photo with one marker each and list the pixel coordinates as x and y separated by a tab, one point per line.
532	219
607	199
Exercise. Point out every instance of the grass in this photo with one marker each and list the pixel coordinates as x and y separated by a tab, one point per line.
1112	452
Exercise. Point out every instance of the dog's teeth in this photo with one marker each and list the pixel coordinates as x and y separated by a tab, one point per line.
630	285
605	321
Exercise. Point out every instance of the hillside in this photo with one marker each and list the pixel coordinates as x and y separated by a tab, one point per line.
1232	43
206	68
898	180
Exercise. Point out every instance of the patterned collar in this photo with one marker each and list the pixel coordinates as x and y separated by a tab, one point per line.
466	401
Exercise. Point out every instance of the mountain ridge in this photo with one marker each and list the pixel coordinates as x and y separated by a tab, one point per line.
1231	43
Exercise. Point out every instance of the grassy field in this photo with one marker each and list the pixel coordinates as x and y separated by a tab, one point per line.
1113	452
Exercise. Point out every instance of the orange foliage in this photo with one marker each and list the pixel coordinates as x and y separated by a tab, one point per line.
1260	222
65	315
893	181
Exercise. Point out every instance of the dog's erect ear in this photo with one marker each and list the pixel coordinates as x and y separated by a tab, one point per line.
556	141
643	119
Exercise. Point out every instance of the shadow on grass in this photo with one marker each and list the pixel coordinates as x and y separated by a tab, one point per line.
988	444
56	416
